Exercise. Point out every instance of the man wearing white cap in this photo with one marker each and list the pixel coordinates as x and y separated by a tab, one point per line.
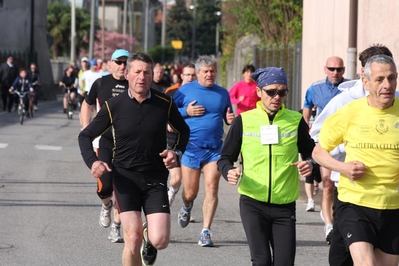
85	65
102	90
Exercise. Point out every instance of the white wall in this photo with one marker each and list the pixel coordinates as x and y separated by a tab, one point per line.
326	30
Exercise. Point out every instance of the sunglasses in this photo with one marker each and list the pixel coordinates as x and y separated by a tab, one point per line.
274	92
332	69
119	62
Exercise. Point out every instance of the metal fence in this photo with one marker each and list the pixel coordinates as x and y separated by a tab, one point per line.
21	58
288	57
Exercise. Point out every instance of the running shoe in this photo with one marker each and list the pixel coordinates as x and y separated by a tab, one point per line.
310	207
183	218
105	215
205	239
148	252
171	196
328	229
115	234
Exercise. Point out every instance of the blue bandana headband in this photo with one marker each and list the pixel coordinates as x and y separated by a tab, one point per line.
269	75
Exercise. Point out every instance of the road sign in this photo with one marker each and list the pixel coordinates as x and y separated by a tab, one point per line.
177	44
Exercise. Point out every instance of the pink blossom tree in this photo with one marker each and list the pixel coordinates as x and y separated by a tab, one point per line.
112	41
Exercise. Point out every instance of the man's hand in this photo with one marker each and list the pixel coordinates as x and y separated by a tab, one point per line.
305	168
233	175
229	116
354	170
169	158
170	129
99	168
195	110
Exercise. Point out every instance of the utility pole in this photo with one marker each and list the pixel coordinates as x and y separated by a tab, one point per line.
73	30
91	40
124	17
163	37
147	13
103	30
217	40
194	7
352	40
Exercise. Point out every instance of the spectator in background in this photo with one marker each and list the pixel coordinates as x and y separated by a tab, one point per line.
99	64
8	73
35	80
189	74
85	65
75	67
318	95
243	93
104	68
90	76
158	82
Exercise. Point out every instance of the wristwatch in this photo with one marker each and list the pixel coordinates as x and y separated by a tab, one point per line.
178	157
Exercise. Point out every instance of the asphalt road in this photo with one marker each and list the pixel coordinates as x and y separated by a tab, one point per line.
49	209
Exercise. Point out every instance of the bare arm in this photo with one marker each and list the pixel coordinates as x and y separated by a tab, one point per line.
353	170
306	113
85	114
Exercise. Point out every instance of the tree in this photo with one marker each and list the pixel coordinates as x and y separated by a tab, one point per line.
179	26
274	21
112	41
58	24
59	28
206	21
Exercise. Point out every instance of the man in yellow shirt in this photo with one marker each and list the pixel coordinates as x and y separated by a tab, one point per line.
368	191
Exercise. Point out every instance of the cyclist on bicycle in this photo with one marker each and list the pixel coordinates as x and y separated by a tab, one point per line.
35	80
22	84
69	80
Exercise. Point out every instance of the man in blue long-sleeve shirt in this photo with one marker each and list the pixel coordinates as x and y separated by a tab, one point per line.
204	105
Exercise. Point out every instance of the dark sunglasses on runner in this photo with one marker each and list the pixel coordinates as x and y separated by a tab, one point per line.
119	62
274	92
332	69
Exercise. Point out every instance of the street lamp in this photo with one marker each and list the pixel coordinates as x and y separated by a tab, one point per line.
217	13
194	8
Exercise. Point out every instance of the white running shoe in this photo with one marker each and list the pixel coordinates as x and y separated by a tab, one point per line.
311	206
328	229
105	215
171	195
115	234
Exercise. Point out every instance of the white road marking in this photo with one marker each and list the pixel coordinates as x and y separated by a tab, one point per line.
3	145
48	148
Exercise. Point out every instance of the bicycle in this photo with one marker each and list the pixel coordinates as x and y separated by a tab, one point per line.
21	105
70	104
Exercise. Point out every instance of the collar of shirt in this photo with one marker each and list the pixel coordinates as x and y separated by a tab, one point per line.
132	97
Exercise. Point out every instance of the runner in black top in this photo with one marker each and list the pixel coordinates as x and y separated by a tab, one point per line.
102	90
141	161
